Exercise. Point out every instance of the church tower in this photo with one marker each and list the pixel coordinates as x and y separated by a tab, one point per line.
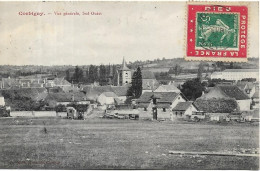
124	75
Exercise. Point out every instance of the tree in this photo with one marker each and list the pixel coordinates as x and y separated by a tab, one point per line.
103	75
67	77
78	75
200	71
93	75
136	89
177	69
192	89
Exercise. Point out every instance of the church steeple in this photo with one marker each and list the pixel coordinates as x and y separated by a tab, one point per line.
124	67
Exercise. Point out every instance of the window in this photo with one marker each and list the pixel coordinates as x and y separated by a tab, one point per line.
181	113
164	110
145	109
126	82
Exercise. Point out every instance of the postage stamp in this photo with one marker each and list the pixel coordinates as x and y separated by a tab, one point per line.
217	32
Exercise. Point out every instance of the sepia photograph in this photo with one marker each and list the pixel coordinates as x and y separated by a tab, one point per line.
118	85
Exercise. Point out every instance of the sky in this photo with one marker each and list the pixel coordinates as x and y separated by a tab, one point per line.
133	30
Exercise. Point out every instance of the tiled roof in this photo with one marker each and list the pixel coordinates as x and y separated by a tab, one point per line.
66	97
256	94
143	105
149	84
109	94
163	105
164	96
120	90
182	106
61	81
169	88
233	92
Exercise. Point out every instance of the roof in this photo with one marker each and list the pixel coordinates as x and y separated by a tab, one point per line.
182	106
120	90
95	91
143	105
66	97
149	84
61	81
256	94
163	105
245	85
233	92
164	96
33	93
168	88
240	70
109	94
124	67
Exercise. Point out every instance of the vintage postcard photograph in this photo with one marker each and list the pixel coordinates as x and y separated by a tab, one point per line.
129	85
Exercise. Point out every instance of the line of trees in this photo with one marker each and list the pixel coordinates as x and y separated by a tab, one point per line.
104	74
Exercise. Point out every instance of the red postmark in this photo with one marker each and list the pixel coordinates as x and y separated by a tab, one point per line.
217	31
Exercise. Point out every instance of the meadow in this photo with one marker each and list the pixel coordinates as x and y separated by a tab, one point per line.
56	143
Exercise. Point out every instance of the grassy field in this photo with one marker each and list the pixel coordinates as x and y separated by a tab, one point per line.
121	144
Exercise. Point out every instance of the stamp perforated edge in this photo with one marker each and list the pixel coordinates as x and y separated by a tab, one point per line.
222	59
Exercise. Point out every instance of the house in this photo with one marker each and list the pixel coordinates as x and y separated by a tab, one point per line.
121	92
236	74
149	81
107	98
230	92
8	83
183	110
255	99
92	92
61	82
54	99
165	103
167	88
2	100
248	87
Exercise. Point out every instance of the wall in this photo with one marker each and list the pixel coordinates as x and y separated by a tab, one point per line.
190	110
33	114
102	99
177	100
244	105
2	101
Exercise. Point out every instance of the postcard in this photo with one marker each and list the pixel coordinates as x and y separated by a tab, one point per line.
99	85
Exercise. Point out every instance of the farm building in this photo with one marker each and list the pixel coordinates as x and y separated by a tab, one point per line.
183	110
167	88
166	102
93	92
230	92
248	87
54	99
149	81
107	98
2	100
255	99
236	74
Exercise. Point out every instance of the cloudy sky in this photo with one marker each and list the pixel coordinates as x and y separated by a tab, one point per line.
134	30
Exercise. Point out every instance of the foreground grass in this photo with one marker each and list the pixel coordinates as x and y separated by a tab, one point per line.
121	144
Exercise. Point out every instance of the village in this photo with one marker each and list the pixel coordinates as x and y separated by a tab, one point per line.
232	96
